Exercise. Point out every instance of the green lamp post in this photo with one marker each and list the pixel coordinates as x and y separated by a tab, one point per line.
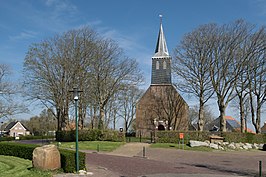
76	98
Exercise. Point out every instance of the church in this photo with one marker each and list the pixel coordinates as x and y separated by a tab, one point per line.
161	107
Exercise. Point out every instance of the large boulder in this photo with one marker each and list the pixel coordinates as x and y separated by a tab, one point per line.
214	146
197	143
46	158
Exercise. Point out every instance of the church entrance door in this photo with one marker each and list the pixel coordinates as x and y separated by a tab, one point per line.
161	127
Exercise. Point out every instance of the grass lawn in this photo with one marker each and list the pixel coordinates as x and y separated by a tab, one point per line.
107	146
17	167
176	146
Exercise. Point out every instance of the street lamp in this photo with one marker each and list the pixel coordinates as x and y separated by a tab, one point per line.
76	98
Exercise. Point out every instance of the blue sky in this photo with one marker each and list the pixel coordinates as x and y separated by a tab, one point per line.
133	24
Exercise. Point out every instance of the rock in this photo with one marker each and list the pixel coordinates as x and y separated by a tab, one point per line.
214	146
197	143
82	172
248	145
260	146
221	148
245	147
239	145
264	147
46	158
255	146
225	143
231	146
207	141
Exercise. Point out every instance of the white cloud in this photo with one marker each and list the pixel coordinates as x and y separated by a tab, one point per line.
23	35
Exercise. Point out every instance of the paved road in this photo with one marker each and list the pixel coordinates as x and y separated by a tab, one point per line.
176	163
127	161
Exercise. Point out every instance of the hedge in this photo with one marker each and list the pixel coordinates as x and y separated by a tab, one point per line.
25	151
18	150
68	160
173	137
90	135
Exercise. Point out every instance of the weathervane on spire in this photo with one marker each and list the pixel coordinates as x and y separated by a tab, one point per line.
161	18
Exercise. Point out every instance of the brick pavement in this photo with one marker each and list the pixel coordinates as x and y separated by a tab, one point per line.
127	162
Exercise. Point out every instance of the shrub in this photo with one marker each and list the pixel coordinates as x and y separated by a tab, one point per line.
18	150
90	135
68	160
7	138
173	136
25	151
30	137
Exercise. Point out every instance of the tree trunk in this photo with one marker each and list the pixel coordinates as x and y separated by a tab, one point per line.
100	124
258	128
242	114
201	116
222	117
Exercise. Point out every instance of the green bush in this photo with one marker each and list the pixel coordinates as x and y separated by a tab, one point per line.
18	150
244	137
173	137
68	160
30	137
7	138
90	135
25	151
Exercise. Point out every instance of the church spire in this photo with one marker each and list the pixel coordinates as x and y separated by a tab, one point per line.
161	47
161	61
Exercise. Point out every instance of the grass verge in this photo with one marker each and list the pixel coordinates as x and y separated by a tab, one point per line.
177	146
17	167
107	146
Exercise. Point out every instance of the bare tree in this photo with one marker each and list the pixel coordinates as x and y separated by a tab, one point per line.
208	114
257	80
251	48
53	67
128	100
8	91
192	58
111	71
78	58
226	65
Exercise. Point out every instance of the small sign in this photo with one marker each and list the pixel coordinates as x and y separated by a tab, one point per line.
121	129
181	135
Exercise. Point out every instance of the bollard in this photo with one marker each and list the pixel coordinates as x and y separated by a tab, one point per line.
260	169
98	147
143	152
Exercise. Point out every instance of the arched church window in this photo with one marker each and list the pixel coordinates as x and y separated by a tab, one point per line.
157	64
164	64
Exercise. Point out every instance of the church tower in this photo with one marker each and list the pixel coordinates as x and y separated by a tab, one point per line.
161	107
161	61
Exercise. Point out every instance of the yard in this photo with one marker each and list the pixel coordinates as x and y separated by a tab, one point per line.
17	167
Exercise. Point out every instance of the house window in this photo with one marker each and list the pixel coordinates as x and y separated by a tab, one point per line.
164	64
157	64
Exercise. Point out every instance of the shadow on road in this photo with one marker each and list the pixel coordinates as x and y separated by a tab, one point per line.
222	169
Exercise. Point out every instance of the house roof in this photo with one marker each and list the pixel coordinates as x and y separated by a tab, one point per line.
231	124
12	124
263	128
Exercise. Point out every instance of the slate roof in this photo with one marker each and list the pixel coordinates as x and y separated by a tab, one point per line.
161	62
263	128
231	124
